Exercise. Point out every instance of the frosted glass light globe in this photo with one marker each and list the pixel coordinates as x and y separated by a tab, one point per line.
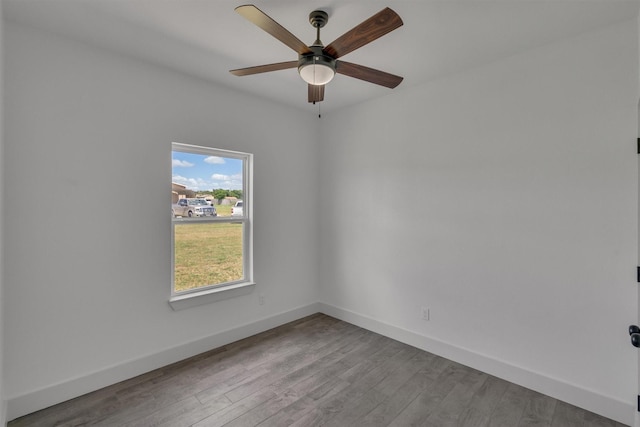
316	74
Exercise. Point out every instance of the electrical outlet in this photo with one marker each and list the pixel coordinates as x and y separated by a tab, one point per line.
424	312
261	299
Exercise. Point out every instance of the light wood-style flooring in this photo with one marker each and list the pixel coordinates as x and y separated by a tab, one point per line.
315	371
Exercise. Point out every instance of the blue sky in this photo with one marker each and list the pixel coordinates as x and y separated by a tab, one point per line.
203	172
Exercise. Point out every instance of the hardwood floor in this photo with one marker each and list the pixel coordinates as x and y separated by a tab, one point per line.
314	371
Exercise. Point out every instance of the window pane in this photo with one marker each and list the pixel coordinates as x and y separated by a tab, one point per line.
210	225
207	179
207	253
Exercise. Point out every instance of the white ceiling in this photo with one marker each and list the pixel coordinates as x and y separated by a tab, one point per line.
206	38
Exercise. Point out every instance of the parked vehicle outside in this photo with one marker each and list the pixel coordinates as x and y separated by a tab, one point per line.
193	207
236	210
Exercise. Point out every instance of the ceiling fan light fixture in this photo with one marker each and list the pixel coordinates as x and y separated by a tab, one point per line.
317	64
317	70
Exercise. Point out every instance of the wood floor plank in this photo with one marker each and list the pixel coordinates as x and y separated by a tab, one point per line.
473	417
237	409
314	371
226	373
279	371
362	405
454	407
420	408
180	414
416	376
367	378
488	396
356	409
266	410
511	407
342	360
299	384
483	402
595	420
264	374
308	379
566	415
538	410
291	414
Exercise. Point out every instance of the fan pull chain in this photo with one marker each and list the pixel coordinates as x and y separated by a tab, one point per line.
314	68
314	78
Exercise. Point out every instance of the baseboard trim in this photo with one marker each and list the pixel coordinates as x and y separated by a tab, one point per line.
606	406
27	403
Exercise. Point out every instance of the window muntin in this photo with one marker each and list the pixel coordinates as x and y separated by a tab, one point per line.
210	250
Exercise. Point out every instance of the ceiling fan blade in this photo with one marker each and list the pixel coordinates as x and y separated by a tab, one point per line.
368	74
373	28
316	93
264	68
262	20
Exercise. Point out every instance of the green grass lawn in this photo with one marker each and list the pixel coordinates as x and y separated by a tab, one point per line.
207	253
223	210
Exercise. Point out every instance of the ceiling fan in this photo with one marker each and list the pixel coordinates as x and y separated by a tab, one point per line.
318	64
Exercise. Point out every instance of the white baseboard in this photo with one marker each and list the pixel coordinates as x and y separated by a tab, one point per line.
606	406
617	410
27	403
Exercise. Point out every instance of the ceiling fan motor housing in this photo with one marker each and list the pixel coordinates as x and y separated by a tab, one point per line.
316	57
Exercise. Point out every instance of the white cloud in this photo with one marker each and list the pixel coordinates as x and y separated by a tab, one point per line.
231	182
180	163
207	183
191	183
214	160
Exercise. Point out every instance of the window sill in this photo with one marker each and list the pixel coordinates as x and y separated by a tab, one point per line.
208	296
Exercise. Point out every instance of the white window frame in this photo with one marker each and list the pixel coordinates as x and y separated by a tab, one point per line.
219	291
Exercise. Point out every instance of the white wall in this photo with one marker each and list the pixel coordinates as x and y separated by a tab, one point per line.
2	324
504	199
87	174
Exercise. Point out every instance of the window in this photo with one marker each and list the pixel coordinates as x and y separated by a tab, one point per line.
211	224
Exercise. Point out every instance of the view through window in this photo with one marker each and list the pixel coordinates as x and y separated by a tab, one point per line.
210	218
